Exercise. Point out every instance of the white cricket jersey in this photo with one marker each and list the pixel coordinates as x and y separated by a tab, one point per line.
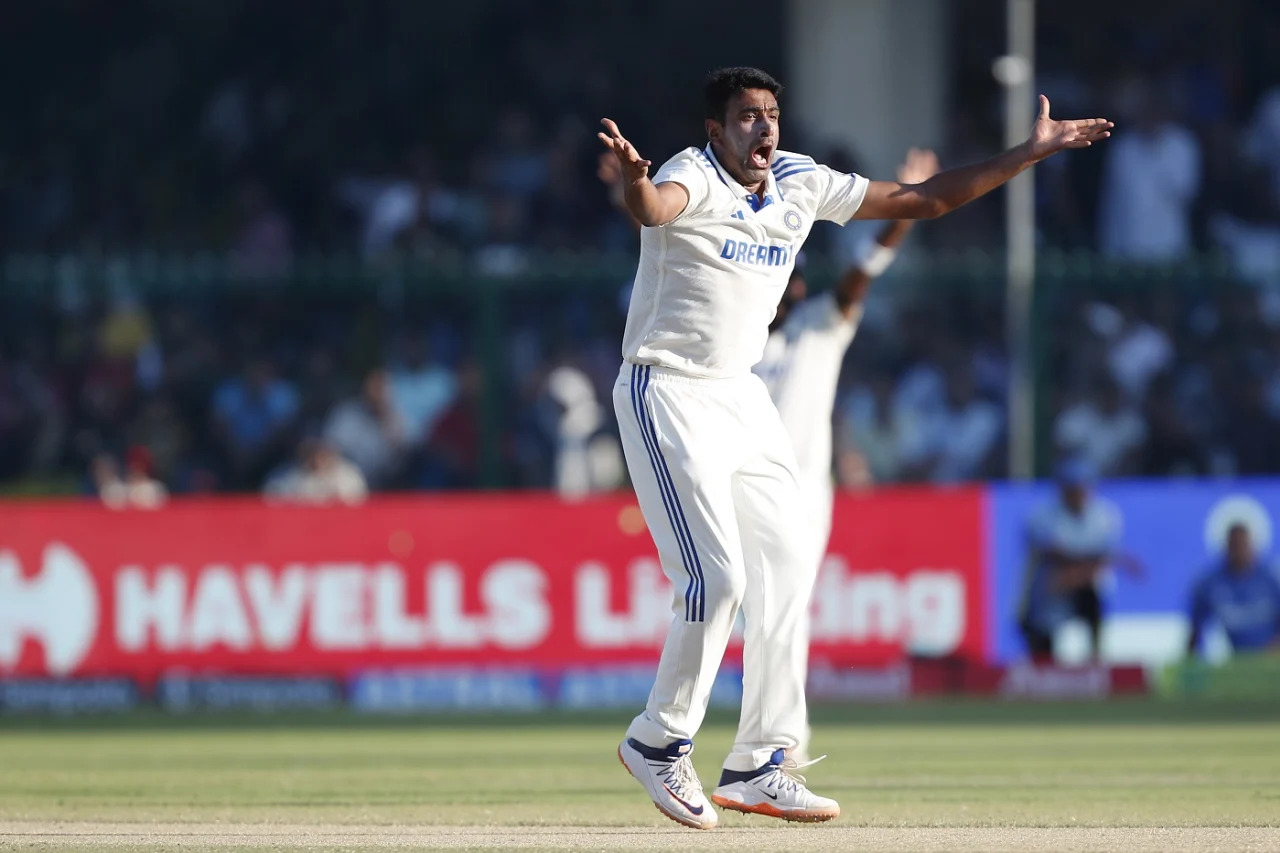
801	367
1095	532
709	281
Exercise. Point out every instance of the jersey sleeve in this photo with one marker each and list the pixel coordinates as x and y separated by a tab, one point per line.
687	170
839	194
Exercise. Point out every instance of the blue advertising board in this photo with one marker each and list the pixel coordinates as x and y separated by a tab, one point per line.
1173	528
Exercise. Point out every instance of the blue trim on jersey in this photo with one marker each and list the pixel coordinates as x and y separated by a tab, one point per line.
786	164
706	157
791	160
793	170
706	162
694	606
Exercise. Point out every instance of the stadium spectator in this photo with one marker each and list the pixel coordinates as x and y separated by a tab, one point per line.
1107	432
263	246
252	416
869	434
587	458
1241	595
319	476
368	430
1151	178
137	489
421	388
960	441
451	458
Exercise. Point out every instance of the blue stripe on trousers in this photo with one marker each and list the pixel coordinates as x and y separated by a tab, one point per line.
637	406
700	598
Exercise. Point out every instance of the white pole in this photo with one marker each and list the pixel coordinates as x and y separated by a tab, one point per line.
1016	70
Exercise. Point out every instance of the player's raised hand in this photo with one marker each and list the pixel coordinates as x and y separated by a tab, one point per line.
921	165
634	167
1050	136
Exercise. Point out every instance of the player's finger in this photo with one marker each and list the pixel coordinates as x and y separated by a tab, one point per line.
612	127
1044	107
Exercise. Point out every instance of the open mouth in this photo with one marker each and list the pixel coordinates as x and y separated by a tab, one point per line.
760	156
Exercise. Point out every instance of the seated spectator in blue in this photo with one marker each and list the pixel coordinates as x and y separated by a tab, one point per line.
251	419
1241	595
1070	541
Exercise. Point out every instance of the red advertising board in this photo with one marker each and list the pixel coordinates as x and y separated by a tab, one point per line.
236	586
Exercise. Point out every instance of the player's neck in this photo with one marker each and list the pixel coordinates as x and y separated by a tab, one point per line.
756	188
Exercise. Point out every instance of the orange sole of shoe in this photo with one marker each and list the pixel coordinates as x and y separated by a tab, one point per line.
661	810
806	816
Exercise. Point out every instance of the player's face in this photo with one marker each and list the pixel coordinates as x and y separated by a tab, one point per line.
748	137
1239	548
1074	497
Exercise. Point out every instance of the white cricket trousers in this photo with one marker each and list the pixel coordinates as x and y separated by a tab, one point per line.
714	473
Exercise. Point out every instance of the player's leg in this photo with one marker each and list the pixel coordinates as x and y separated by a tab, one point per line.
819	502
1087	605
682	486
780	571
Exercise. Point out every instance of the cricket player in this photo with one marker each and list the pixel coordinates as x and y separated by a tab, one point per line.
1071	540
1241	593
801	365
710	460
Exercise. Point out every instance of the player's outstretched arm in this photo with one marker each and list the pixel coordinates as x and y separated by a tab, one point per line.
650	204
948	190
877	253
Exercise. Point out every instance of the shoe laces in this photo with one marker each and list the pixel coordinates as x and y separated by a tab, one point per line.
679	776
783	777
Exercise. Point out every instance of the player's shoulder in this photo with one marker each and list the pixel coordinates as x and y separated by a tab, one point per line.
689	160
1105	510
792	165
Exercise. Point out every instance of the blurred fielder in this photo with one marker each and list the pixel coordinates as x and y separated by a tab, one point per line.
711	462
801	366
1071	540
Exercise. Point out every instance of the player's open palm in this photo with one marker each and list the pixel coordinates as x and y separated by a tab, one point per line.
634	167
1050	136
921	165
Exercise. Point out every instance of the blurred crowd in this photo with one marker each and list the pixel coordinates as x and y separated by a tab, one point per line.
1170	380
273	133
324	399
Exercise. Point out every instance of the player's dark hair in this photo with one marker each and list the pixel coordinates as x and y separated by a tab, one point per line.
723	83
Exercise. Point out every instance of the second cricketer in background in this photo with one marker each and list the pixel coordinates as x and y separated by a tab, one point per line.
801	365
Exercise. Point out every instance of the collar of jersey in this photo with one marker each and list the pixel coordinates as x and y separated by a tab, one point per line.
771	193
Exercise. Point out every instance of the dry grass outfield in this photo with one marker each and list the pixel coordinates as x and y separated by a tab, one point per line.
1129	778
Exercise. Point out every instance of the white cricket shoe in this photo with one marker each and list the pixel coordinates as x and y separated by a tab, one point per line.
673	785
775	790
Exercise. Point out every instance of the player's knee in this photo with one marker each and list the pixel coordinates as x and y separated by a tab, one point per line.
725	590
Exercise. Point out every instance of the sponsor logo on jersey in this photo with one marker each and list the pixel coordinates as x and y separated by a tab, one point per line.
755	254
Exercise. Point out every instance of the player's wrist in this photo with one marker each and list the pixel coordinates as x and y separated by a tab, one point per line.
873	257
